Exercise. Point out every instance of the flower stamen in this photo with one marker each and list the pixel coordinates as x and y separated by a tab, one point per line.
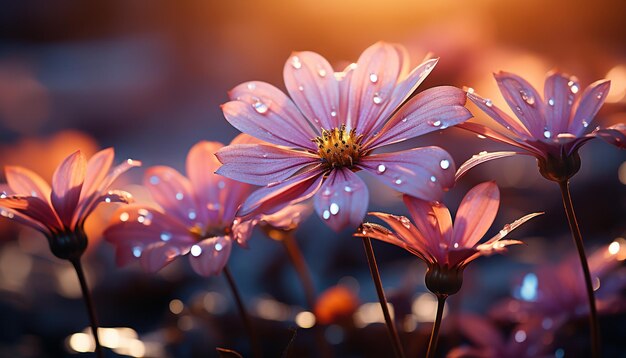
339	147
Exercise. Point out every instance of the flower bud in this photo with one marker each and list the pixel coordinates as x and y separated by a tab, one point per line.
68	245
559	168
444	280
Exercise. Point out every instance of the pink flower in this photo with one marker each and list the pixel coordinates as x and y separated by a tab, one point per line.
196	216
78	186
445	248
329	128
551	128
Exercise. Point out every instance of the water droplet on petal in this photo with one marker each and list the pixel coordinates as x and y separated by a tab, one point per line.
444	164
405	222
488	103
192	215
599	95
585	124
547	134
218	247
405	119
381	168
333	113
166	236
251	86
260	107
326	192
529	99
326	215
551	102
179	196
398	181
373	77
433	178
124	217
519	110
137	251
573	86
321	72
456	245
436	123
295	62
196	251
334	208
377	99
264	155
347	189
301	88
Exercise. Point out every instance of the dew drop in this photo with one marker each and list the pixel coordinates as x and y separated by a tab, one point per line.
398	181
295	62
260	107
251	86
334	208
137	251
377	99
192	215
551	102
381	168
488	103
321	72
433	178
599	96
218	247
179	196
405	222
444	164
519	110
326	192
166	236
585	124
480	136
573	86
436	123
347	189
333	113
529	99
124	217
405	119
547	134
301	88
326	215
456	245
373	77
264	155
196	251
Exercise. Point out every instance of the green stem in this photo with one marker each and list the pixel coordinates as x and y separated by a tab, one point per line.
89	303
434	336
578	240
254	342
391	328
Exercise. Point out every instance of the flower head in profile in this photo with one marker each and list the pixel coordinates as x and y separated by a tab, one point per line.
78	186
195	216
329	128
552	128
446	248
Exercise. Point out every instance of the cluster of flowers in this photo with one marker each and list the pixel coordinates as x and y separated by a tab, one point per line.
311	144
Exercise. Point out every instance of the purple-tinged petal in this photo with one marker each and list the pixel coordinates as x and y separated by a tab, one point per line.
263	111
98	167
34	208
559	99
209	256
524	100
588	106
615	135
424	173
342	200
371	87
273	198
484	131
157	255
499	116
289	217
434	109
343	79
311	83
67	183
483	157
173	192
26	182
510	227
476	213
434	222
378	232
261	164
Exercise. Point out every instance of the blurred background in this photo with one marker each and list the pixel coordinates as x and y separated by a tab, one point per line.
147	77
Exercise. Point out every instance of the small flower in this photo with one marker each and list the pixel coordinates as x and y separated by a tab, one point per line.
328	129
447	250
196	216
78	186
551	128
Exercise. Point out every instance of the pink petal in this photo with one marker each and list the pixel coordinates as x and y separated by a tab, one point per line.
588	106
343	79
510	227
483	157
433	221
499	116
261	164
434	109
67	183
295	189
35	209
174	193
342	200
476	213
484	131
242	230
405	89
371	87
26	182
524	100
98	167
615	135
311	83
559	99
15	215
263	111
209	256
157	255
422	172
289	217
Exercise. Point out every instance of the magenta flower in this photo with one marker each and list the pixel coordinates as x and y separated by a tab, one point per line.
551	128
329	128
445	248
78	186
196	216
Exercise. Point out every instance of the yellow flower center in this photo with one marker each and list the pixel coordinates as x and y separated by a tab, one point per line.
339	147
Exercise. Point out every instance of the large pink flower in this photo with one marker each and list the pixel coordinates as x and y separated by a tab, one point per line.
78	186
445	248
196	216
328	129
552	128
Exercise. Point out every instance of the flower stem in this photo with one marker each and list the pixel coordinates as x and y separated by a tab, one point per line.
434	336
88	302
578	240
391	328
295	255
254	342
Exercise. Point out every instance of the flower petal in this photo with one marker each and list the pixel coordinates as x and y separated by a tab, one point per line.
26	182
273	198
372	86
559	99
34	208
510	227
98	167
422	172
342	200
434	109
480	158
263	111
476	213
209	256
157	255
524	100
499	116
23	219
588	106
242	230
484	131
311	83
261	164
434	222
173	192
404	234
615	135
289	217
67	183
